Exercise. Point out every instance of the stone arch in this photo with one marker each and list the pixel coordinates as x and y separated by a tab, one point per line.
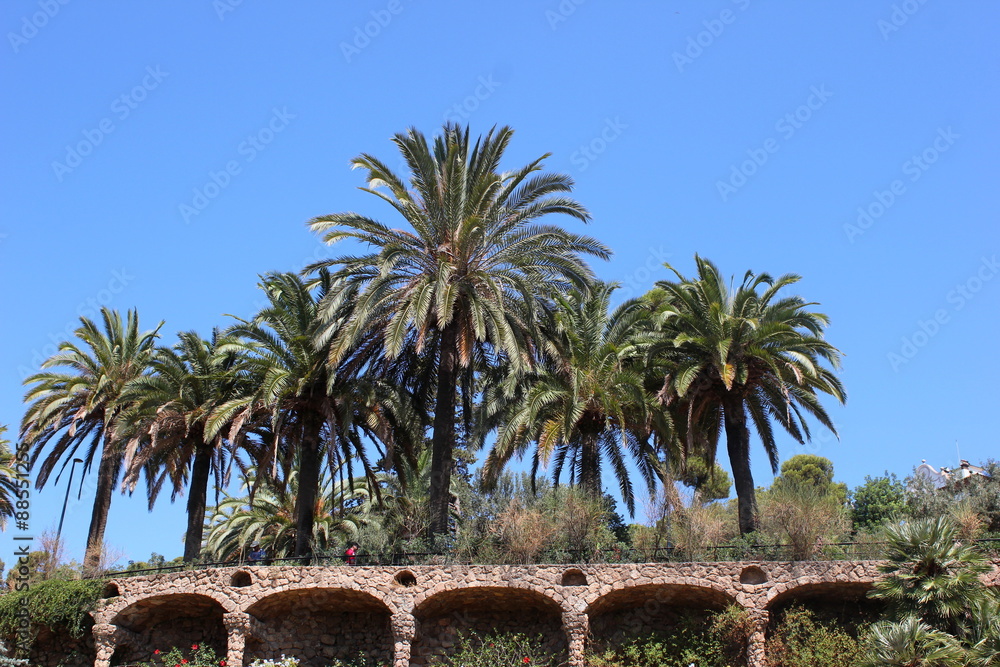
843	602
163	621
320	624
445	615
629	611
110	590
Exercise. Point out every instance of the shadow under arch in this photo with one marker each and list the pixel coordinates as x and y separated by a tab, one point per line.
845	603
638	610
444	616
168	620
322	624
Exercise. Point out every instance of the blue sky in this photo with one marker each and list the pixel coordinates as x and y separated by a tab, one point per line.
161	157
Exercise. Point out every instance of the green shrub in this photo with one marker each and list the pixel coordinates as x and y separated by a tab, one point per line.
499	649
719	643
800	640
199	655
57	604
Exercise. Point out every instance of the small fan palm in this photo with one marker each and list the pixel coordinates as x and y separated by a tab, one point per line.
912	643
9	487
929	573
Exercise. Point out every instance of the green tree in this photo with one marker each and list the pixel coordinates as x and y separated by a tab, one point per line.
310	406
734	358
9	487
467	277
876	501
74	402
586	402
811	470
709	482
911	643
168	413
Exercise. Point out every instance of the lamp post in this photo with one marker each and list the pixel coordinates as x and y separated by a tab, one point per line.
66	500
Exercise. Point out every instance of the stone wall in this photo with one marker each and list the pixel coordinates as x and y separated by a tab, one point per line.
55	649
410	614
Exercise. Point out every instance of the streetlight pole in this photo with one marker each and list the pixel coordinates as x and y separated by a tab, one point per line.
66	501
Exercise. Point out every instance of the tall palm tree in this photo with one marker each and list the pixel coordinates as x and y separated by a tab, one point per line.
467	274
9	487
730	358
587	401
75	402
168	413
307	401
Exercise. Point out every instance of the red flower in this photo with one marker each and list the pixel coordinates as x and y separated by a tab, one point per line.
156	652
194	647
184	661
222	663
526	660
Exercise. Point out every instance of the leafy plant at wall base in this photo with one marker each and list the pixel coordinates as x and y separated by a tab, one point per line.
500	649
56	604
801	640
198	655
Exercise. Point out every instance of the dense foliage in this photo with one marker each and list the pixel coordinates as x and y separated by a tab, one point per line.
58	604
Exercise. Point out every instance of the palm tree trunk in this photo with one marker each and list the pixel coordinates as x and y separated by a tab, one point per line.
738	444
305	502
102	505
590	475
443	440
197	499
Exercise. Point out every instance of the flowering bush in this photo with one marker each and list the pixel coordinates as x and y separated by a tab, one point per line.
281	662
199	655
500	649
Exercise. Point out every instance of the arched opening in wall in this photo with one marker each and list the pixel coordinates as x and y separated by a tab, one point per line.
58	647
574	577
753	576
173	619
240	579
405	578
445	618
659	610
110	591
332	623
842	606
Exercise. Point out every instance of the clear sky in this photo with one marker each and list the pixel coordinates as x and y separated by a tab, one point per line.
161	157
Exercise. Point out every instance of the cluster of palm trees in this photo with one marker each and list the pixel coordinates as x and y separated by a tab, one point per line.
472	320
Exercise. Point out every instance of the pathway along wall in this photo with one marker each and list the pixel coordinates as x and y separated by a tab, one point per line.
404	616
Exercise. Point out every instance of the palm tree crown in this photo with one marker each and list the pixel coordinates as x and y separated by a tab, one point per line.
729	355
468	274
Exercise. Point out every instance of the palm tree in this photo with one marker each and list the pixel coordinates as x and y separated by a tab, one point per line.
306	400
749	355
75	402
929	573
9	487
587	400
268	517
912	643
470	272
169	410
